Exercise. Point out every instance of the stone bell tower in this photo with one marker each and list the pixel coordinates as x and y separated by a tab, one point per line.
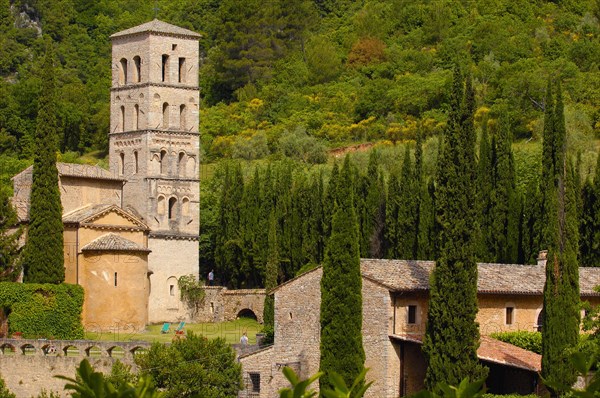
154	146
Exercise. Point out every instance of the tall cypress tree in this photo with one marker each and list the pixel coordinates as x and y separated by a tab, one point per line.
407	211
341	296
44	251
590	221
10	267
452	335
505	214
485	189
391	215
272	271
561	290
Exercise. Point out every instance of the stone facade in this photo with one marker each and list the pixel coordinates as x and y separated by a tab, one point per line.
154	145
221	304
395	301
28	366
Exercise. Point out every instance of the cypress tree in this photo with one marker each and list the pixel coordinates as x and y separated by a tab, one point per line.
485	187
561	290
372	240
44	250
10	268
271	273
427	231
505	214
341	296
452	335
590	221
391	215
407	211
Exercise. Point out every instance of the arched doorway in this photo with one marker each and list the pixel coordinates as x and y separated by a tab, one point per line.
247	313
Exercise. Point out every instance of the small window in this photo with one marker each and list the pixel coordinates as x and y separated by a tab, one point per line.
137	70
171	290
165	115
172	203
123	71
212	308
165	68
135	165
122	126
136	117
174	47
182	117
163	158
122	163
290	315
510	313
412	314
181	71
254	382
115	279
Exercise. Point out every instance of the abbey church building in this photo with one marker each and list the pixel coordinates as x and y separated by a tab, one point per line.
132	231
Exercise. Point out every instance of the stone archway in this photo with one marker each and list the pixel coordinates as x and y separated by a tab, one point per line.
247	313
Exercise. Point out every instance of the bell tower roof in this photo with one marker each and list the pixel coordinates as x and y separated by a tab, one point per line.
158	27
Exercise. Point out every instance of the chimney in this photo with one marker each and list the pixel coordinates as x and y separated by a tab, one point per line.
541	260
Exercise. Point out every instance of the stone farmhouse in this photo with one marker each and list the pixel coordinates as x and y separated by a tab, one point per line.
395	299
130	233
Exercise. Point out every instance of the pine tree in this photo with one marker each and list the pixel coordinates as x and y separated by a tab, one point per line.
10	267
561	290
44	252
272	271
341	291
452	335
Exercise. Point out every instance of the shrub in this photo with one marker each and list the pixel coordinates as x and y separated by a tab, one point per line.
531	341
43	310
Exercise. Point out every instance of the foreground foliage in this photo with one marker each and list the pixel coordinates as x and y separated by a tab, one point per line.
194	366
43	310
300	388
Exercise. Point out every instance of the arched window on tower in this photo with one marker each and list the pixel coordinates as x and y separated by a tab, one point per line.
137	71
181	164
165	68
172	204
121	163
163	159
123	71
181	71
122	118
135	164
161	205
165	115
185	207
136	117
182	117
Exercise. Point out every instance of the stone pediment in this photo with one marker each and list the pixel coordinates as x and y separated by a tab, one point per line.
104	216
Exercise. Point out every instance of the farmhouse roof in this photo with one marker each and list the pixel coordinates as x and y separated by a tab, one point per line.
492	350
156	26
77	170
89	213
403	275
113	242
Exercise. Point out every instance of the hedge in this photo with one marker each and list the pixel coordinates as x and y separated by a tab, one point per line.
43	310
531	341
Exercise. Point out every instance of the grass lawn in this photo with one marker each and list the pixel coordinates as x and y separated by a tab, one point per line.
230	331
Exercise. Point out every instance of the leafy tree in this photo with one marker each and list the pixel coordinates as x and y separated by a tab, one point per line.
10	232
44	252
452	335
193	367
341	296
561	290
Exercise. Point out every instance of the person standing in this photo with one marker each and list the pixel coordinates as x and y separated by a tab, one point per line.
211	278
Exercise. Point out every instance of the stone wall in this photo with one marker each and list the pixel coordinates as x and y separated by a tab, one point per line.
28	366
221	304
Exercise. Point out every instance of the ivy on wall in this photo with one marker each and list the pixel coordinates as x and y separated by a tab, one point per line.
43	310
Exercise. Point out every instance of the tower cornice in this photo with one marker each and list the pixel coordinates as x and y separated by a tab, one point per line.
170	132
133	86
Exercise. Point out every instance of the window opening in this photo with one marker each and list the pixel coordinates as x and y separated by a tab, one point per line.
123	71
182	115
163	155
510	315
165	113
412	314
172	202
122	163
181	74
115	279
165	67
122	118
138	69
173	47
135	157
136	117
171	290
255	381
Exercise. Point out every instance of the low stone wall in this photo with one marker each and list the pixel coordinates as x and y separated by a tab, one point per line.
29	366
221	304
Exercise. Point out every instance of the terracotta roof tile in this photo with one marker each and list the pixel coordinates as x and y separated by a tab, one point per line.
493	350
113	242
78	170
81	214
157	26
402	275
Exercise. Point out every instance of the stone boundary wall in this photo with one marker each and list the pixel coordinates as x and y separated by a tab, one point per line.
28	366
222	304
